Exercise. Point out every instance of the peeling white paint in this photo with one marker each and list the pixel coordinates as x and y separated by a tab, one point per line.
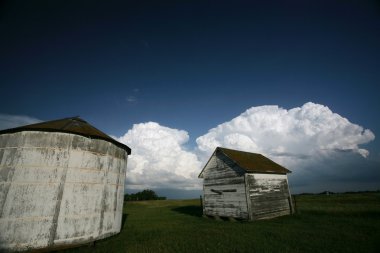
229	191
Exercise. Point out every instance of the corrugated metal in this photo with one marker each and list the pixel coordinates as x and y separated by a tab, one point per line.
74	125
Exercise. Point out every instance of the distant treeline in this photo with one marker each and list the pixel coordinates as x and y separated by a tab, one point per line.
146	194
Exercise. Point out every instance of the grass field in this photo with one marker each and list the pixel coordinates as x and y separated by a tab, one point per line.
334	223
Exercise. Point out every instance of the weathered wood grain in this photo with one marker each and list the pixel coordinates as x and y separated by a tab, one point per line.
229	191
224	190
269	195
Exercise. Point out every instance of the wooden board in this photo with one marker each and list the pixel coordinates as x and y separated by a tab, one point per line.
269	195
224	190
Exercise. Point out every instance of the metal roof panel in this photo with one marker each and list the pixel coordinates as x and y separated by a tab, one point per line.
253	162
74	125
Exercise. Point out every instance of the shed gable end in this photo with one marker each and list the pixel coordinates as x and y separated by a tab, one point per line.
224	188
221	166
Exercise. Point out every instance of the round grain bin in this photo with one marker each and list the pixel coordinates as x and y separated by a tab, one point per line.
61	184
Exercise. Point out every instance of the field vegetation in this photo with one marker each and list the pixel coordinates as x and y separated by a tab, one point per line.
323	223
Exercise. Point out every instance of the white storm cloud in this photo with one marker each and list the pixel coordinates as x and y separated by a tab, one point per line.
292	137
10	121
159	158
318	145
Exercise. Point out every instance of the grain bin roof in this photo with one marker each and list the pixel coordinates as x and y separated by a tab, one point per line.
252	162
73	125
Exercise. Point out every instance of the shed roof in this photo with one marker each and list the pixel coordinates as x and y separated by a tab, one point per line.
74	125
252	162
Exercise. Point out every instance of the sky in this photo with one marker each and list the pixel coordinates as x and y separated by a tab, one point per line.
297	81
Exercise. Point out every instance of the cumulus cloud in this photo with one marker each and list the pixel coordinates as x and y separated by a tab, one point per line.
288	135
318	145
159	158
11	121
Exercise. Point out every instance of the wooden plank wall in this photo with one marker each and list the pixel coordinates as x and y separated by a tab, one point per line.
224	189
269	195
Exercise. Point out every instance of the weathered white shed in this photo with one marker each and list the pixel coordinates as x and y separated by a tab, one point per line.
244	185
61	184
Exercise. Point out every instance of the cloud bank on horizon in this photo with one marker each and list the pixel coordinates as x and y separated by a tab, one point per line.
298	138
159	159
316	144
289	135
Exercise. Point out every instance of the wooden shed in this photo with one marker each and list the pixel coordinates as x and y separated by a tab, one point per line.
244	185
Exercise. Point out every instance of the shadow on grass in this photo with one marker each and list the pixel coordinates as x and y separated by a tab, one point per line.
189	210
123	220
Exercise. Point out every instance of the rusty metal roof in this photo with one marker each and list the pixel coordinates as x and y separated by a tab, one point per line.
74	125
251	162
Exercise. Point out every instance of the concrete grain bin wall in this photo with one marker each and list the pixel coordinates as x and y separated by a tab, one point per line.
61	184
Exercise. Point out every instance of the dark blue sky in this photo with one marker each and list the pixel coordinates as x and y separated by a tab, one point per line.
188	64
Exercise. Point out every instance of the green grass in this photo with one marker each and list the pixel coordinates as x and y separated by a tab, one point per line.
335	223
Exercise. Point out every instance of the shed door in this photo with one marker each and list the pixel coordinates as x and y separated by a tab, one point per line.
269	195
